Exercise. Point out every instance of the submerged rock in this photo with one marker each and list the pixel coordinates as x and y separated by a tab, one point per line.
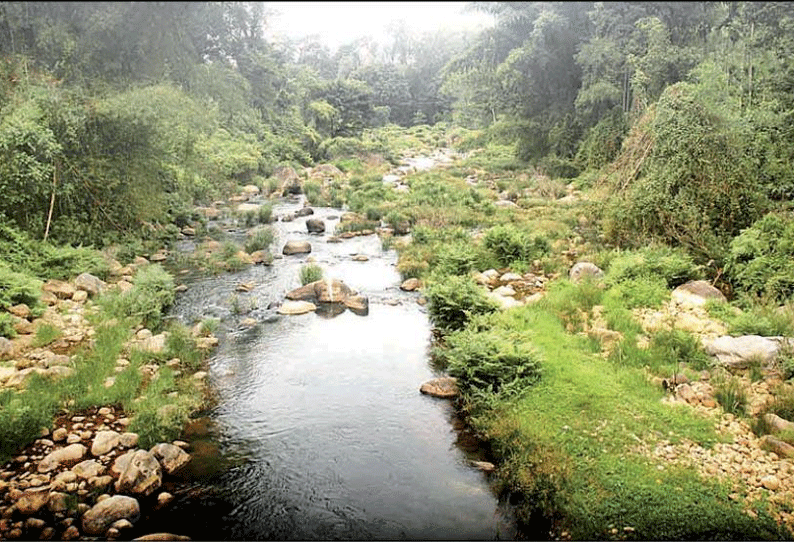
296	307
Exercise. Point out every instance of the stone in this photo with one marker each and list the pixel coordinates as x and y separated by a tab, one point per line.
296	247
777	423
32	500
696	293
315	225
171	457
304	211
154	344
770	482
6	348
20	311
360	258
296	307
142	475
70	454
89	468
504	291
740	352
485	466
585	270
504	302
104	441
90	283
445	387
162	536
105	513
410	285
510	277
359	304
244	208
164	499
777	446
59	288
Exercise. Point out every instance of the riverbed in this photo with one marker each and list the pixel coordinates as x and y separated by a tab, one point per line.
319	430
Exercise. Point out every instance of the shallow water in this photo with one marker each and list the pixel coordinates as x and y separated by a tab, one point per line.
320	431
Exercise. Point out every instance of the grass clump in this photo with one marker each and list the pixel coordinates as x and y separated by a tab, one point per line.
152	292
510	244
259	239
674	266
310	272
45	334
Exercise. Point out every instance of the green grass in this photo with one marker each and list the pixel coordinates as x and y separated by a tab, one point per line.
566	447
45	334
310	272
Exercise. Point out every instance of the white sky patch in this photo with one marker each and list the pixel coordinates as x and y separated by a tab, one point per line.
337	23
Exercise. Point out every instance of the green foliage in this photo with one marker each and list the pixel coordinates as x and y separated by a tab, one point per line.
310	273
683	178
7	325
677	346
571	302
510	244
17	288
181	344
761	258
489	360
672	265
730	394
259	239
45	334
643	291
453	300
152	293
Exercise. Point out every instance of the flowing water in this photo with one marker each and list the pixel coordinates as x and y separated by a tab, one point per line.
320	431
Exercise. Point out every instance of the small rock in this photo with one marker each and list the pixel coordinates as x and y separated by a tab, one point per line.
296	307
53	460
584	270
444	387
296	247
410	285
104	441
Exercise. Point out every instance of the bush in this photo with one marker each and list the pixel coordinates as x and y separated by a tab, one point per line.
452	300
677	346
490	361
310	273
761	258
672	265
510	244
7	325
16	288
648	291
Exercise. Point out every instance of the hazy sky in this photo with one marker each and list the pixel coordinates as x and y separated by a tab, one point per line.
341	22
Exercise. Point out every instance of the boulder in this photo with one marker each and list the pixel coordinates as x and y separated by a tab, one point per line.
323	291
740	352
358	304
89	468
775	445
154	344
445	387
69	455
104	441
304	211
59	288
315	225
172	458
20	311
296	247
89	283
142	475
585	270
296	307
32	500
106	512
410	285
696	293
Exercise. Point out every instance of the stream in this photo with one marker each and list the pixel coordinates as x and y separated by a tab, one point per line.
319	430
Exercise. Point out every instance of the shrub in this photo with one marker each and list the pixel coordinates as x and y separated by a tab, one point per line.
310	273
17	288
673	265
510	244
490	361
678	346
7	325
638	292
761	258
452	300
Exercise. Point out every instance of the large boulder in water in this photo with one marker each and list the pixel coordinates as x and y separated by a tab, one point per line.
323	291
315	225
296	247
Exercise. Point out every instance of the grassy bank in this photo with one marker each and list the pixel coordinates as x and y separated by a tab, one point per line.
155	390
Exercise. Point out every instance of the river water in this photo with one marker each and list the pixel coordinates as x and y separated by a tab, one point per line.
319	431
